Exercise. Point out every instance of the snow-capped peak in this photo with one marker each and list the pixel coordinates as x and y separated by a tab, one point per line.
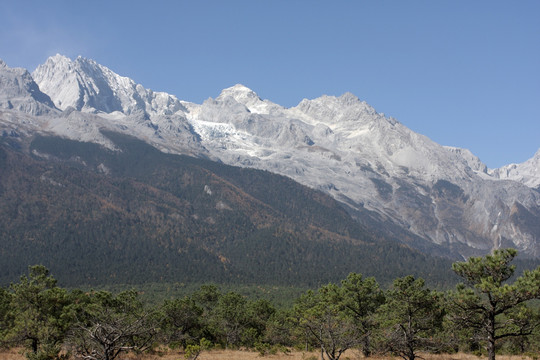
344	110
249	98
59	58
240	93
87	86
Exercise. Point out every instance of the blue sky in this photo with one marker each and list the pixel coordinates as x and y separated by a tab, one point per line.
464	73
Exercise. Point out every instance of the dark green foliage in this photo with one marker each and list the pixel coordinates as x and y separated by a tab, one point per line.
40	314
227	319
361	298
353	314
410	318
490	308
230	319
339	317
6	321
182	321
325	324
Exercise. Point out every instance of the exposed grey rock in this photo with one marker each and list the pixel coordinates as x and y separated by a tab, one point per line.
379	169
19	92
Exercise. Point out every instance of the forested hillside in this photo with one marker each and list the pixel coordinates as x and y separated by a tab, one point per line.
490	312
137	215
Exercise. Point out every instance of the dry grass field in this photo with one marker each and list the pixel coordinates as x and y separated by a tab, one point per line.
351	355
15	354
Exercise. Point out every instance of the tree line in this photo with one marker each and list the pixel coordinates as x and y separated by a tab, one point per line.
490	311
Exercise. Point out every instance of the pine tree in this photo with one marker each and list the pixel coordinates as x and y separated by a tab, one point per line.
410	317
489	305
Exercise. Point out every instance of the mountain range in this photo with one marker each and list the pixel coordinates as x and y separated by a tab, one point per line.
396	184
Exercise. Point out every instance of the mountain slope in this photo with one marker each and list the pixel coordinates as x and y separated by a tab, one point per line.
20	92
392	180
527	173
136	215
375	165
87	86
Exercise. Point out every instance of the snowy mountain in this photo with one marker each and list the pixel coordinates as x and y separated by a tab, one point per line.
20	92
94	97
527	173
87	86
375	165
387	176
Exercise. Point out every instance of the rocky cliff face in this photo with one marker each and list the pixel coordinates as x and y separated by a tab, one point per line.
82	87
377	167
19	91
527	173
87	86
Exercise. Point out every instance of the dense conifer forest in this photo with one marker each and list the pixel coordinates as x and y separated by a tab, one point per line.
490	312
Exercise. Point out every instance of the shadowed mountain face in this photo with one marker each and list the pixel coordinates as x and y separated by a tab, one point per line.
136	215
396	183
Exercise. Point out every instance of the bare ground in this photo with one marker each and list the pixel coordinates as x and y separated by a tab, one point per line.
17	354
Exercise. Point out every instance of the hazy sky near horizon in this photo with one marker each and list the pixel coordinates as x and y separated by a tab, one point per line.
463	73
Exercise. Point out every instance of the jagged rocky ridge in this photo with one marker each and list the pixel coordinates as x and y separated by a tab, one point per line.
21	93
387	176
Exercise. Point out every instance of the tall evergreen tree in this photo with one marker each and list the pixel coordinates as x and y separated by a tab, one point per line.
231	318
360	298
326	323
40	314
410	317
182	322
488	304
